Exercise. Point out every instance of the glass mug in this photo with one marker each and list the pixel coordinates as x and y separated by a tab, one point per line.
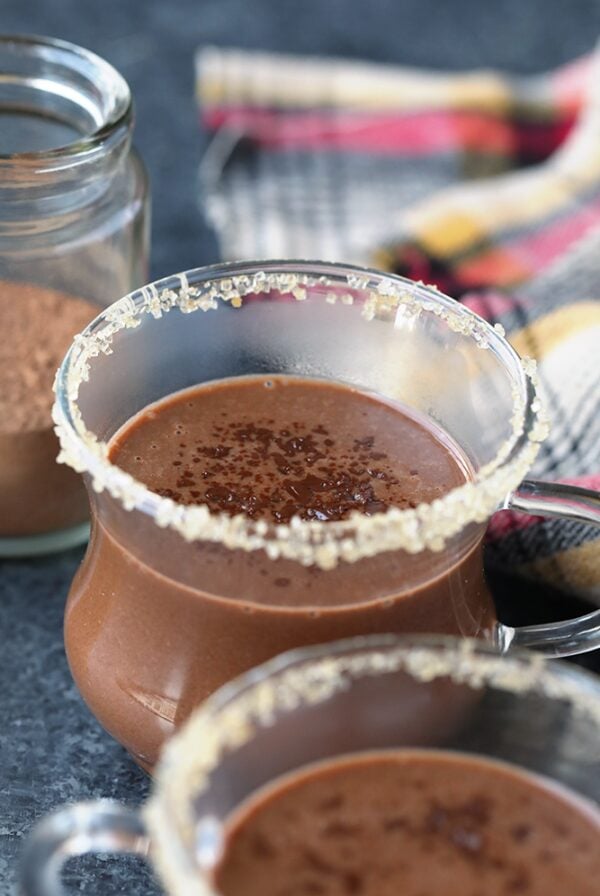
167	604
314	704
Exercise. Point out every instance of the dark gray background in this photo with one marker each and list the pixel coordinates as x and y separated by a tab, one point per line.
51	749
152	44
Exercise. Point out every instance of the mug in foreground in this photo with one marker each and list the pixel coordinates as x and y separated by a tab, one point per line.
371	766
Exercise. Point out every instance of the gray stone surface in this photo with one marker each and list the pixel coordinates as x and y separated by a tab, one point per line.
51	749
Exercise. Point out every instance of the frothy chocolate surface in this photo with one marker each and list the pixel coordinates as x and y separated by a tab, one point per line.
415	823
275	447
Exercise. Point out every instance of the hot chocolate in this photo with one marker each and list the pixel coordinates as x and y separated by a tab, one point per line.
277	447
36	494
411	822
270	448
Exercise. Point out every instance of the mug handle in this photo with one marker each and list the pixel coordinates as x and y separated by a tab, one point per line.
101	826
569	502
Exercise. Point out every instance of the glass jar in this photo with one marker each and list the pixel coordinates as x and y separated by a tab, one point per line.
73	237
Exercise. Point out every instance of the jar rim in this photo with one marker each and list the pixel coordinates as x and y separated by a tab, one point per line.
113	115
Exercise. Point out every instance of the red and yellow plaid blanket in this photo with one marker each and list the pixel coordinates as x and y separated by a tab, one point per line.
485	184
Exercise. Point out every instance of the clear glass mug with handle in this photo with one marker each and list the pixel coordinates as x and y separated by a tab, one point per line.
170	602
437	696
74	233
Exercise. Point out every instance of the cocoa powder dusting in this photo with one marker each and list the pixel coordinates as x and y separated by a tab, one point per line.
37	326
272	448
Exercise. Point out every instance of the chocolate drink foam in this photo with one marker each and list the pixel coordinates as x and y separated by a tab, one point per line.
411	821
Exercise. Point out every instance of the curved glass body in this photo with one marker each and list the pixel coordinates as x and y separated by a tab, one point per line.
182	587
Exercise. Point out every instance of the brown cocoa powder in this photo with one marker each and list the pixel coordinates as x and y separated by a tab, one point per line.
37	325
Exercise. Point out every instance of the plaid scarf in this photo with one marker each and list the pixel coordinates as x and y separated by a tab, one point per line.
484	184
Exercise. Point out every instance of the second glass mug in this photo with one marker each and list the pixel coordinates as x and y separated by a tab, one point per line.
363	696
167	606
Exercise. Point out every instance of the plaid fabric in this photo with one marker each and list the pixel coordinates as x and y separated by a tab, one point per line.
484	184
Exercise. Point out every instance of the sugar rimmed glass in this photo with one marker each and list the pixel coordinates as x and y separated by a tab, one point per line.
377	693
159	574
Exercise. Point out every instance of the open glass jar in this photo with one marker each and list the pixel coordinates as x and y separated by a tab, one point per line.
73	234
174	600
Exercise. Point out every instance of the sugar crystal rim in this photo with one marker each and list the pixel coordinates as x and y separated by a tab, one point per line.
324	544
